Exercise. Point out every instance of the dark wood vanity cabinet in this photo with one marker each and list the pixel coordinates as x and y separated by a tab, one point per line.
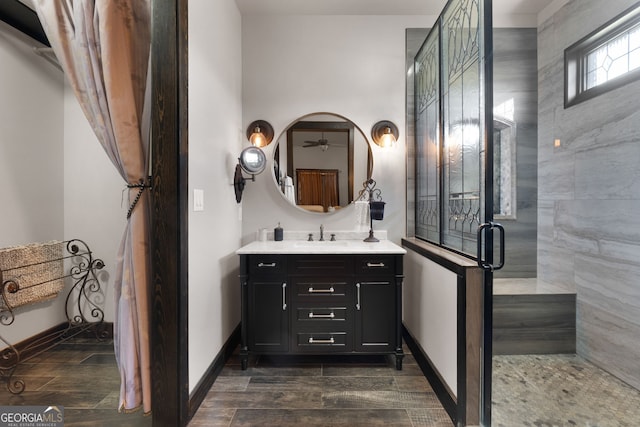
321	304
375	323
267	303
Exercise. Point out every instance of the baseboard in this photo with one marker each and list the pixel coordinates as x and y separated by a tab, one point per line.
207	380
447	400
103	330
53	336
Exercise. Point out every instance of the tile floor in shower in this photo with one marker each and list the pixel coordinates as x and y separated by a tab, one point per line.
560	390
549	390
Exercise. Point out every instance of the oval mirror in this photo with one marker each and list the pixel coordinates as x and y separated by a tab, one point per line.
320	162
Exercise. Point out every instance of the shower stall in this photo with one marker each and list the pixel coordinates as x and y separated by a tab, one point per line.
529	316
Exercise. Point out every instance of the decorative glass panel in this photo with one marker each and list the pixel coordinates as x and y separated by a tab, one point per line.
427	95
614	58
450	129
464	145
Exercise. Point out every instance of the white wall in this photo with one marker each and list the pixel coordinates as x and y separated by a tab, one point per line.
56	182
31	140
95	210
430	306
215	135
353	66
31	163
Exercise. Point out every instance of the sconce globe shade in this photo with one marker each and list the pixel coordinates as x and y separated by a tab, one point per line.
252	160
257	138
260	133
385	133
387	139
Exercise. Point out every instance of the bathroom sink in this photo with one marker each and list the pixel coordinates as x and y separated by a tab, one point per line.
343	246
316	244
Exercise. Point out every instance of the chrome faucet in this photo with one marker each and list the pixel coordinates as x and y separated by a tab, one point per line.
321	233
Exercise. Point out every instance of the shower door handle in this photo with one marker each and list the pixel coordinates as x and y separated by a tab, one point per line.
490	226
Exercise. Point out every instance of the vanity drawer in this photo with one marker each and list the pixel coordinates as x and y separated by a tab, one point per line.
320	288
267	264
320	265
375	264
322	342
312	315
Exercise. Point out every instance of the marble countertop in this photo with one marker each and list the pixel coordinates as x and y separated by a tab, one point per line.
318	247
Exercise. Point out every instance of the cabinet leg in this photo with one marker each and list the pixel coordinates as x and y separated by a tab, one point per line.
244	359
399	357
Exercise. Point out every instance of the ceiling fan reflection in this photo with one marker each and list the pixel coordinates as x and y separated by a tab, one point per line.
322	143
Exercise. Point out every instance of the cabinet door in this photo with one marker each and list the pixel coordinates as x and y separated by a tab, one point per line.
375	315
268	316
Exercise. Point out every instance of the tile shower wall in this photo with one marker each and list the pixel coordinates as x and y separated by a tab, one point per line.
514	82
588	221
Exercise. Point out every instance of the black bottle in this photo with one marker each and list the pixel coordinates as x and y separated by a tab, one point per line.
278	233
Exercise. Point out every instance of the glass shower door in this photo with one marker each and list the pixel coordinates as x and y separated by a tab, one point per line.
454	152
467	153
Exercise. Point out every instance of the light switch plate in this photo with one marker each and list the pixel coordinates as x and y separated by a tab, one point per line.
198	200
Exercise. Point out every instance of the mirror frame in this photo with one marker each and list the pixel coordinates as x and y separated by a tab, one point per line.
341	123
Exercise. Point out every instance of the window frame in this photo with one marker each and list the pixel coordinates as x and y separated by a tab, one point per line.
575	58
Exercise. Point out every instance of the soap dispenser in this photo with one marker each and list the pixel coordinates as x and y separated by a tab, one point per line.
278	233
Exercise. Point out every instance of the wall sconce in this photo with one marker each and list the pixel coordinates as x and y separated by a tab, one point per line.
385	133
260	133
252	161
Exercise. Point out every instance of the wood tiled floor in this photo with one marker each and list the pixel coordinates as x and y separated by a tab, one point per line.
311	391
530	390
81	376
321	391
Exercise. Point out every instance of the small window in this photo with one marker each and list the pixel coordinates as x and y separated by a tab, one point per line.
605	59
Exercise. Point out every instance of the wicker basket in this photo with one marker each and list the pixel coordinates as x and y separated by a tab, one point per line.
37	269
